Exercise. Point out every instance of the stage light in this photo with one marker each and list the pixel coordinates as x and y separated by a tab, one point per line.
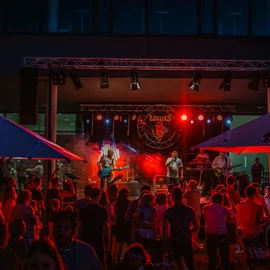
195	83
226	83
134	81
107	121
125	120
133	117
219	117
75	79
254	83
229	119
99	117
87	121
200	117
116	117
191	121
104	82
183	117
208	121
59	76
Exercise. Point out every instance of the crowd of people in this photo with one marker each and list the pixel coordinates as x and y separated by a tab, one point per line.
39	233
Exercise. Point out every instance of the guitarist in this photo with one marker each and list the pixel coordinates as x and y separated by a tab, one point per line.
106	161
222	163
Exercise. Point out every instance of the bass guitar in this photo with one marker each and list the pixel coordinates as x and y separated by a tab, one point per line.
219	171
106	172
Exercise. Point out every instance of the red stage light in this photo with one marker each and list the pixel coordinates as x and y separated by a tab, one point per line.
184	117
116	117
200	117
219	117
134	116
99	117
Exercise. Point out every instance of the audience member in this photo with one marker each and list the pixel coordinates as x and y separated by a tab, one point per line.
80	204
9	202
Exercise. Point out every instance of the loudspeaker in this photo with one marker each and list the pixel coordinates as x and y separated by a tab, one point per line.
28	96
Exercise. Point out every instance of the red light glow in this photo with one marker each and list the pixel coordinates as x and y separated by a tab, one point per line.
219	117
200	117
184	117
99	117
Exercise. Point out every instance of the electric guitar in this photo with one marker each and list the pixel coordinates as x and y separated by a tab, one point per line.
219	171
105	172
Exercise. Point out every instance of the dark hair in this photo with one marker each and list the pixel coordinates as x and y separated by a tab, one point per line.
95	192
54	181
255	184
112	193
123	194
217	197
37	180
177	194
24	195
257	159
145	187
250	191
8	193
219	187
161	198
46	247
138	250
103	198
87	190
230	180
66	215
3	235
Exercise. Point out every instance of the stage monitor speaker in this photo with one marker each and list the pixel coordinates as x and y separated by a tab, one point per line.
28	96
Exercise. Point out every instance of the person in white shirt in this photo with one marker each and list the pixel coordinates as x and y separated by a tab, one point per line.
216	231
223	164
174	165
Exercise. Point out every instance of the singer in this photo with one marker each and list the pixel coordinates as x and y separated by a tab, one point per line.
174	168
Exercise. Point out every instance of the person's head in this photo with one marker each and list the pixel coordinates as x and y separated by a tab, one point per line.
219	187
251	192
55	183
123	194
222	154
201	151
3	235
175	154
110	153
24	196
257	160
33	204
69	208
10	193
257	187
43	255
230	181
112	193
177	194
65	224
17	228
37	182
217	198
170	188
267	191
161	199
87	191
148	199
192	184
136	257
145	187
103	198
11	181
55	204
95	195
31	179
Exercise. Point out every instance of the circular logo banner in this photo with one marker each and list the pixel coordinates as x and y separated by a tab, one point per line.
157	129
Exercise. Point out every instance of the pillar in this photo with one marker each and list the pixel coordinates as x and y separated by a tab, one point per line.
53	16
268	110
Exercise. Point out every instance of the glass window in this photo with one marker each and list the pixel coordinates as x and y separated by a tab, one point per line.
232	17
129	16
103	16
260	17
24	16
207	17
172	17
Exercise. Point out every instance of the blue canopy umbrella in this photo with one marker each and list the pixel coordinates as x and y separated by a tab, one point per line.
252	137
19	142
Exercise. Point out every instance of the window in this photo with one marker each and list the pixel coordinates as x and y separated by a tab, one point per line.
207	17
129	16
172	17
232	17
260	17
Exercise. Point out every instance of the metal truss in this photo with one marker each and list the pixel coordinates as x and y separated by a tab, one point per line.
129	108
146	64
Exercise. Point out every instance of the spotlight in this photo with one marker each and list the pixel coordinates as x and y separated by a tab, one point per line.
125	120
107	121
75	79
116	117
134	81
229	119
133	117
99	117
191	121
87	121
104	82
254	83
226	83
195	83
200	117
219	117
184	117
59	76
208	121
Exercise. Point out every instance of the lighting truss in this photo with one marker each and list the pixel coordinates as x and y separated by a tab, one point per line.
146	64
129	108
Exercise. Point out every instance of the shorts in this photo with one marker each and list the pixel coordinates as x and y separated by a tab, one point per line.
231	228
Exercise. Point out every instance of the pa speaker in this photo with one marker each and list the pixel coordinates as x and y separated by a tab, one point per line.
28	96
